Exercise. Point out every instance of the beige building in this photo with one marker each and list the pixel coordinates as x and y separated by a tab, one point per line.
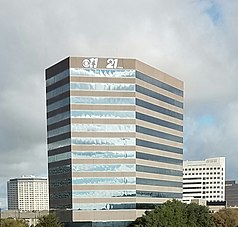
28	193
115	139
30	217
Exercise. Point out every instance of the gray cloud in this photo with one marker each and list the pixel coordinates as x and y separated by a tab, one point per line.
184	40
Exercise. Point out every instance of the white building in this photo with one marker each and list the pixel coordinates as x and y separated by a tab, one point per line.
28	193
204	180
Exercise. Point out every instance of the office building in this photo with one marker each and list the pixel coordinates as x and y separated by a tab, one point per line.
204	180
115	139
28	193
231	193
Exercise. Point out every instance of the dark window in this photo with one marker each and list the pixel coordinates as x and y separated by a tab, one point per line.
158	96
157	121
158	182
158	146
159	109
158	134
158	194
157	170
158	158
159	84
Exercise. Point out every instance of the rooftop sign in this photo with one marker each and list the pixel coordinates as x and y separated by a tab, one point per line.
111	63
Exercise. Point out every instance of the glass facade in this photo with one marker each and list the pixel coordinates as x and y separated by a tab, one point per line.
103	138
101	73
104	180
103	114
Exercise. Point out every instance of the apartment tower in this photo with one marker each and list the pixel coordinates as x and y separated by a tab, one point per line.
115	139
28	193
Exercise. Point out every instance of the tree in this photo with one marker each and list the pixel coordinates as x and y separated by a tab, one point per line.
50	220
198	216
10	222
172	213
175	213
226	218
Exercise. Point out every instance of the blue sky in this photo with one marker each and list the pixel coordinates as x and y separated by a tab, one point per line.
215	12
195	41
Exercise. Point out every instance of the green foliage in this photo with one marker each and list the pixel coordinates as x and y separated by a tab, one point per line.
50	220
198	216
175	213
9	222
226	218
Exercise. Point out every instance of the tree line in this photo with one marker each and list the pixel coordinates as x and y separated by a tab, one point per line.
177	214
170	214
50	220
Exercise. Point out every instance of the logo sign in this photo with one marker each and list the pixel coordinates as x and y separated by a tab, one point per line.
93	63
90	63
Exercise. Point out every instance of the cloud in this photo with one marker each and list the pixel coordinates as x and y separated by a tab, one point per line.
195	41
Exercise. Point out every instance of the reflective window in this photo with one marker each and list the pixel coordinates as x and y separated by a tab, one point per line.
57	91
92	154
158	134
59	170
59	183
103	154
158	146
92	141
63	207
153	194
157	158
102	100
158	96
158	121
58	104
103	167
104	141
159	182
146	206
59	157
102	128
59	144
111	223
57	77
159	84
103	206
104	193
104	180
58	131
102	72
102	114
102	86
156	170
159	109
114	193
60	195
57	118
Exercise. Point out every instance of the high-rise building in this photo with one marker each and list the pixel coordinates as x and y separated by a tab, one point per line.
28	193
204	180
115	139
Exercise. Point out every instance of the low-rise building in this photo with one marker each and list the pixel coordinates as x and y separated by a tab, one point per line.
231	193
30	217
204	180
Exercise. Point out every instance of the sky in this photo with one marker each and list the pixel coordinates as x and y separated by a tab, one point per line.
193	40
